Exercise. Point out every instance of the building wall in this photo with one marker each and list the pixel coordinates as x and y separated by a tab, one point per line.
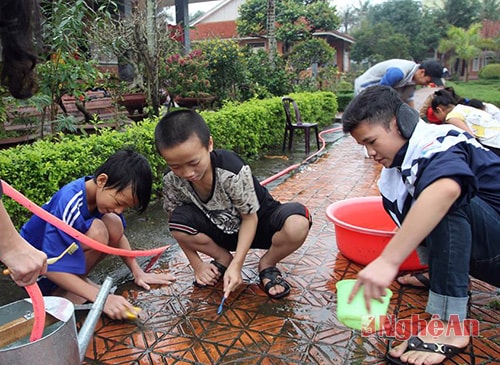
227	10
220	22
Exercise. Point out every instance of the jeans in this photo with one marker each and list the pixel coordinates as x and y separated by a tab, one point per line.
466	241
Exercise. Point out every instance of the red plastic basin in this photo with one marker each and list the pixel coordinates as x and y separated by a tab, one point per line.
363	228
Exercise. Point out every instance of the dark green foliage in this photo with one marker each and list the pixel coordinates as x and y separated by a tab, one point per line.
226	66
461	13
405	16
305	53
343	99
267	79
379	42
295	19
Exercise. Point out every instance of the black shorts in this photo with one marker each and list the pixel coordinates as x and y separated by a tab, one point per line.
190	219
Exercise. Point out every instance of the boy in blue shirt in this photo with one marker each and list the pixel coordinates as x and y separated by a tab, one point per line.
441	188
94	205
215	205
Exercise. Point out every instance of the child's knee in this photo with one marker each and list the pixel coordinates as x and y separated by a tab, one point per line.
108	229
297	226
98	231
114	226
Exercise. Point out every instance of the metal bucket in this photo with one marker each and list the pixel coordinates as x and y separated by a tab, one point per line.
59	344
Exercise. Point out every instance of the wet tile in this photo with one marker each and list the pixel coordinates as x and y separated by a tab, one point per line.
181	325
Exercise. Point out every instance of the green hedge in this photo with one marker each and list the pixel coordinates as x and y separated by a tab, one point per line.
490	72
344	98
249	128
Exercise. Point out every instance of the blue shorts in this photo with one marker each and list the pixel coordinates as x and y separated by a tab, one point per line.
191	220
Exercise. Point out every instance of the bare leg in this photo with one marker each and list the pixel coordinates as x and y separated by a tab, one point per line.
286	241
72	297
108	231
204	273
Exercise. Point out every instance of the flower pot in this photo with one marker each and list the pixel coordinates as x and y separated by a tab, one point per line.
193	102
133	102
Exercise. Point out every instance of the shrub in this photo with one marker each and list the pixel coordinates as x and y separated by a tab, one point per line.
267	79
315	50
226	65
491	71
344	98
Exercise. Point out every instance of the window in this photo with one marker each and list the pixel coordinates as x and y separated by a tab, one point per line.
255	46
476	64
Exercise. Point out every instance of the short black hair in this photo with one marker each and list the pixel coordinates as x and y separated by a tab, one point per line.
444	97
129	168
376	104
178	126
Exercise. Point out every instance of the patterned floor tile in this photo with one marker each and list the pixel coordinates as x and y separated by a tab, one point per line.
179	323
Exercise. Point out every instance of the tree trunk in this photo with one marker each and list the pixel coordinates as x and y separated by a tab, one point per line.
271	29
152	70
466	62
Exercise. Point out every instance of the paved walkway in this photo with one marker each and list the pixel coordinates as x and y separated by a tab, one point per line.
179	323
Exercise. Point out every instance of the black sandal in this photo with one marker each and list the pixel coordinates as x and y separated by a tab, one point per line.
416	344
274	275
425	283
219	266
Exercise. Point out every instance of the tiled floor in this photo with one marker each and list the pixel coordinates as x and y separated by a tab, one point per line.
180	325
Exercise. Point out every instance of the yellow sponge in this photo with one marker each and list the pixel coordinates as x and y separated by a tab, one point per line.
132	315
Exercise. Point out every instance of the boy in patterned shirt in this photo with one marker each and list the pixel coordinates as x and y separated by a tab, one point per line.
215	205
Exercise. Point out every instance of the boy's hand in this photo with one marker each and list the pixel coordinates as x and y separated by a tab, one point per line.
143	279
232	278
116	307
375	278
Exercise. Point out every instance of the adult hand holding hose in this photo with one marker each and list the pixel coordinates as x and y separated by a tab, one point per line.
24	261
25	264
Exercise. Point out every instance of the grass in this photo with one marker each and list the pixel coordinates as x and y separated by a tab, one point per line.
484	90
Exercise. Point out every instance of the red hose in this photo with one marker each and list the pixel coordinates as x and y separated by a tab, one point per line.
58	223
293	167
38	311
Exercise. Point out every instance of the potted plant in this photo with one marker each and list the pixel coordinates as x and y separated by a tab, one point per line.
186	79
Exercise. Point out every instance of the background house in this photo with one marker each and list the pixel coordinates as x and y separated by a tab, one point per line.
220	22
490	29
